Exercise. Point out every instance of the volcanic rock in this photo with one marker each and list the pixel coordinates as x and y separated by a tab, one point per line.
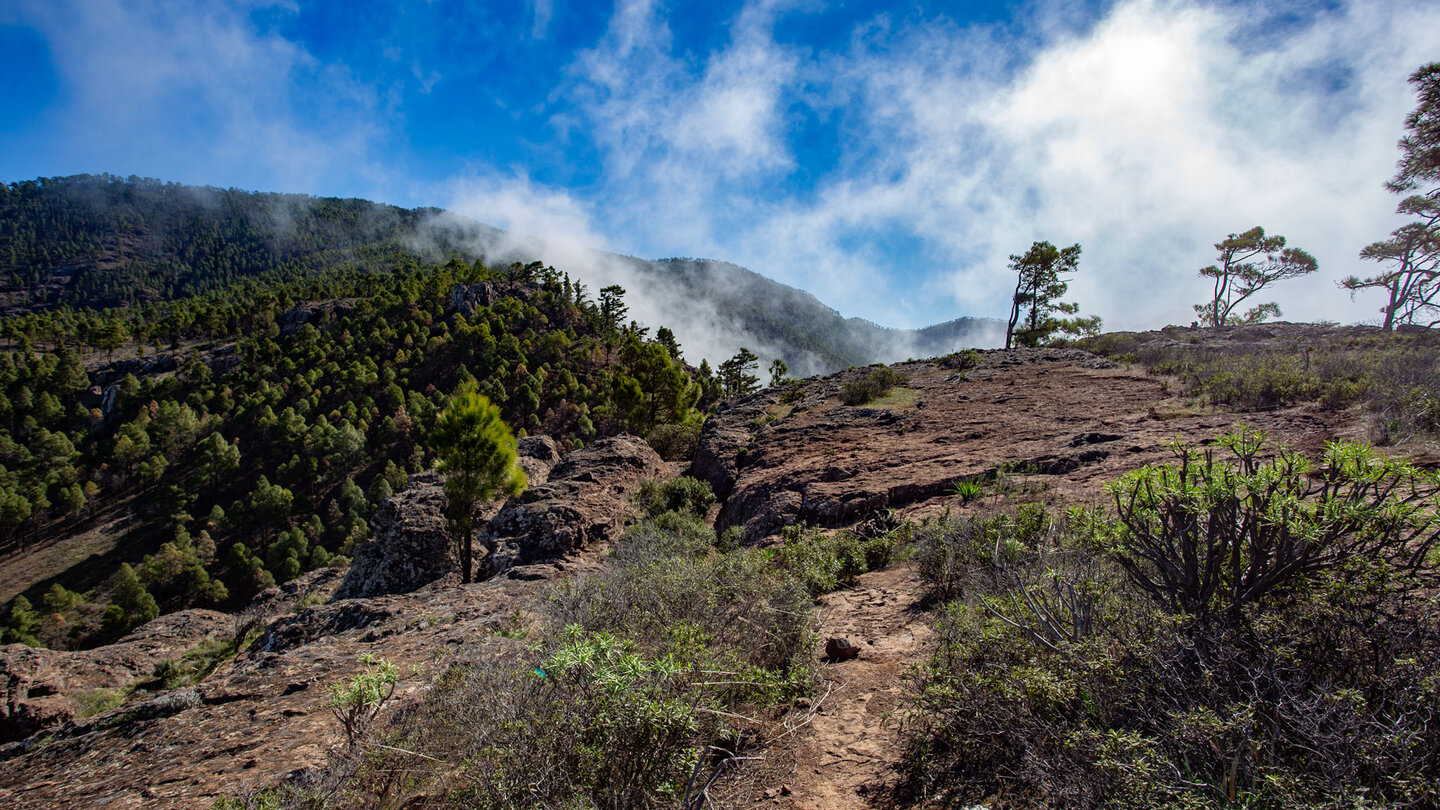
40	688
262	715
585	501
467	298
1030	421
411	544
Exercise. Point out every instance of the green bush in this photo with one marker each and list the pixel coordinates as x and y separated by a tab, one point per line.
957	553
1099	668
865	389
681	494
358	701
821	561
676	442
1208	536
967	490
963	361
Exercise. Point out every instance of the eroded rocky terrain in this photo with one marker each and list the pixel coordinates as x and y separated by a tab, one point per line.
1052	424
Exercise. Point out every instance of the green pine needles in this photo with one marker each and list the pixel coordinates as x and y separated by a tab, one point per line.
477	454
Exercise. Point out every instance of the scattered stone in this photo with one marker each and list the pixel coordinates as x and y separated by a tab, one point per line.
840	649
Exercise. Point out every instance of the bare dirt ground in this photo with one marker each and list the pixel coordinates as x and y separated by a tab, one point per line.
843	746
845	759
52	556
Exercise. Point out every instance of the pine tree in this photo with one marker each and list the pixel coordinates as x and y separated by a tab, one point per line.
477	454
1412	253
1249	262
1038	287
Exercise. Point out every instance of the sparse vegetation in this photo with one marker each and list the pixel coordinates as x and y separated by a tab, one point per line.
196	663
872	386
1396	377
967	490
358	701
664	664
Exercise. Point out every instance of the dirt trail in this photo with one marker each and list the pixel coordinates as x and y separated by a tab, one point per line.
846	757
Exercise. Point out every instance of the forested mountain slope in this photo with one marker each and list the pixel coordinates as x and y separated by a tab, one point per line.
102	241
208	447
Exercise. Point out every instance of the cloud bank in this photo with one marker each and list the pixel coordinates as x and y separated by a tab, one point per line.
1146	135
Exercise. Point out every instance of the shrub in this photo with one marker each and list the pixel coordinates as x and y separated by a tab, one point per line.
1207	537
675	442
963	361
680	494
877	384
1102	668
821	561
954	554
967	490
357	702
662	662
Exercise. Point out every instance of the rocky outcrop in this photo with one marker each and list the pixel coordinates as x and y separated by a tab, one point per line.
264	714
410	546
40	688
467	298
585	501
411	543
1065	419
725	443
305	312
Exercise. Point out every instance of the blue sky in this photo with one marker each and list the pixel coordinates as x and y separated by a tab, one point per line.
886	156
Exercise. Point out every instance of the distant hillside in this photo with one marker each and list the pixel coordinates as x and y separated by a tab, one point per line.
820	339
99	241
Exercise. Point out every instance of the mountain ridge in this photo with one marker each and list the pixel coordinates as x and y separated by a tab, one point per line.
98	241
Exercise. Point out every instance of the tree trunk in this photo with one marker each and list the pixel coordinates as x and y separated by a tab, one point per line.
467	551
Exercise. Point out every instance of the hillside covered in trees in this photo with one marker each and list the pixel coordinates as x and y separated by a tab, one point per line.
96	241
235	439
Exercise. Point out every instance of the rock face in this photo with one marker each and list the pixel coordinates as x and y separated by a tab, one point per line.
466	298
585	501
305	312
411	544
41	688
1064	420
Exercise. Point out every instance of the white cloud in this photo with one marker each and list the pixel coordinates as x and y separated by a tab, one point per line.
196	91
1148	136
544	10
